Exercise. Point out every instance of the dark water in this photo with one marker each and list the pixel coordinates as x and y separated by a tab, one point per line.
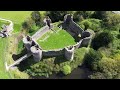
78	73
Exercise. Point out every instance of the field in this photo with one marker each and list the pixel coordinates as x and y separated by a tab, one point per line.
3	51
5	55
17	17
56	40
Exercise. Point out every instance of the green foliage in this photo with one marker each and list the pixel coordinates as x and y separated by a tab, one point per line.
42	68
86	24
112	20
81	15
36	16
101	14
66	69
19	75
56	64
102	39
20	46
56	16
29	26
118	36
78	57
94	24
110	67
91	59
97	75
117	76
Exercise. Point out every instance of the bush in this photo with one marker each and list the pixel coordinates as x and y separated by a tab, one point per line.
97	75
27	24
101	14
56	16
92	58
86	24
66	69
81	15
112	20
94	24
19	75
118	36
101	40
78	58
36	16
110	67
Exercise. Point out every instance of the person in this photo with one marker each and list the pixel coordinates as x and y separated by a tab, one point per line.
48	21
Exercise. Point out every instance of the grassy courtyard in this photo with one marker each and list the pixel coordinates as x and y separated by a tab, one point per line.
56	39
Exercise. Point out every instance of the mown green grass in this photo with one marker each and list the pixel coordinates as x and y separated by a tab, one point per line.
3	73
57	40
17	17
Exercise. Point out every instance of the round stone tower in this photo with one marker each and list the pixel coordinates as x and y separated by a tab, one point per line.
36	52
69	53
27	42
86	36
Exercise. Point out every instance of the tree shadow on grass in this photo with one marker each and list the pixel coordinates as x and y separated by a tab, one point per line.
57	60
26	63
17	56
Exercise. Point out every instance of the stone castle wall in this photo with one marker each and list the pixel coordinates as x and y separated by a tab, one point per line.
71	27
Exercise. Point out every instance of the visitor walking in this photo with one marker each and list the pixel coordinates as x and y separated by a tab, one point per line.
47	21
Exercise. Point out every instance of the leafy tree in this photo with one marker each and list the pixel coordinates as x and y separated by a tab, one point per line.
86	24
66	69
56	15
110	67
27	24
35	15
80	15
94	24
101	14
91	59
102	39
97	75
112	20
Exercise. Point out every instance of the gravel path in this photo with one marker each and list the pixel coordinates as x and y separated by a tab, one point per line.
41	32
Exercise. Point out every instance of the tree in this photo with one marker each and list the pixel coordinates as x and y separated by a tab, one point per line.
102	39
86	24
80	15
27	24
112	20
100	14
66	69
56	15
97	75
35	15
91	59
